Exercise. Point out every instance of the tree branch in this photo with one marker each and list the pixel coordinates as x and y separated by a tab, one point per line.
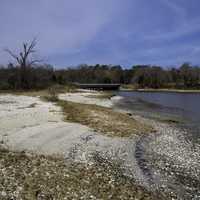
13	55
34	62
23	57
31	47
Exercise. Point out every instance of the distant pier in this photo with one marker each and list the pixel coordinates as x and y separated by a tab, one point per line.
99	86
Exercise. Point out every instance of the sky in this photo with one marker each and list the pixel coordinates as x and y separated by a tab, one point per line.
125	32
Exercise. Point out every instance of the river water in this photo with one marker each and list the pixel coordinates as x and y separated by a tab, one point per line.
172	157
177	107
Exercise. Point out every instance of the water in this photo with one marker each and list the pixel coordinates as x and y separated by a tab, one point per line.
177	107
172	157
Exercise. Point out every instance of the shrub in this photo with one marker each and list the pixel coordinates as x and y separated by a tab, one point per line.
52	94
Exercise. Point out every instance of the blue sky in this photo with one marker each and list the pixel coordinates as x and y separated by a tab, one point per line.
126	32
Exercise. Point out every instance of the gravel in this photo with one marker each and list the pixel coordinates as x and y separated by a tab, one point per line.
162	162
171	163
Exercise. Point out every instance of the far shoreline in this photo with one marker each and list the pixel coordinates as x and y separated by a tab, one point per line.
161	90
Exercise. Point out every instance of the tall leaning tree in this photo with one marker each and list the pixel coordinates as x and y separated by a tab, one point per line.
25	62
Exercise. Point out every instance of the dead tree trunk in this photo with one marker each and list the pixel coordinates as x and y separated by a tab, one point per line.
25	63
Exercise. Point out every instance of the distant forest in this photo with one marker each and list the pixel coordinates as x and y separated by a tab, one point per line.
28	73
140	76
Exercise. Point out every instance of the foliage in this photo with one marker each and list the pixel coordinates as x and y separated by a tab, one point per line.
141	76
27	74
38	77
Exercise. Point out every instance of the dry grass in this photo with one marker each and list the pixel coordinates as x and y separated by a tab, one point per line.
128	87
38	177
103	120
102	95
45	92
25	93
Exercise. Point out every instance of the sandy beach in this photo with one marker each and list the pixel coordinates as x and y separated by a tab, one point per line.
30	124
90	97
152	160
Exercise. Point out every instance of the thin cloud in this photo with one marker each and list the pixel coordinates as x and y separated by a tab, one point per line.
179	11
71	32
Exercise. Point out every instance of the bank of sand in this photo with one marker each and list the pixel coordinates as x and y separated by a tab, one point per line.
163	161
28	123
32	125
90	97
155	161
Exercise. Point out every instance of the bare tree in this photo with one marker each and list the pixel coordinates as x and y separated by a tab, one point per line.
23	57
25	62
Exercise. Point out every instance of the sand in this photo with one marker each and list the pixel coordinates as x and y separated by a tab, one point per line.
27	123
32	125
87	98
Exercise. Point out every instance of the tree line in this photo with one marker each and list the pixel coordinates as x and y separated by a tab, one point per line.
141	76
29	73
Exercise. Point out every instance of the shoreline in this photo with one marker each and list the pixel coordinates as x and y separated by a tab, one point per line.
162	90
167	159
87	148
153	161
